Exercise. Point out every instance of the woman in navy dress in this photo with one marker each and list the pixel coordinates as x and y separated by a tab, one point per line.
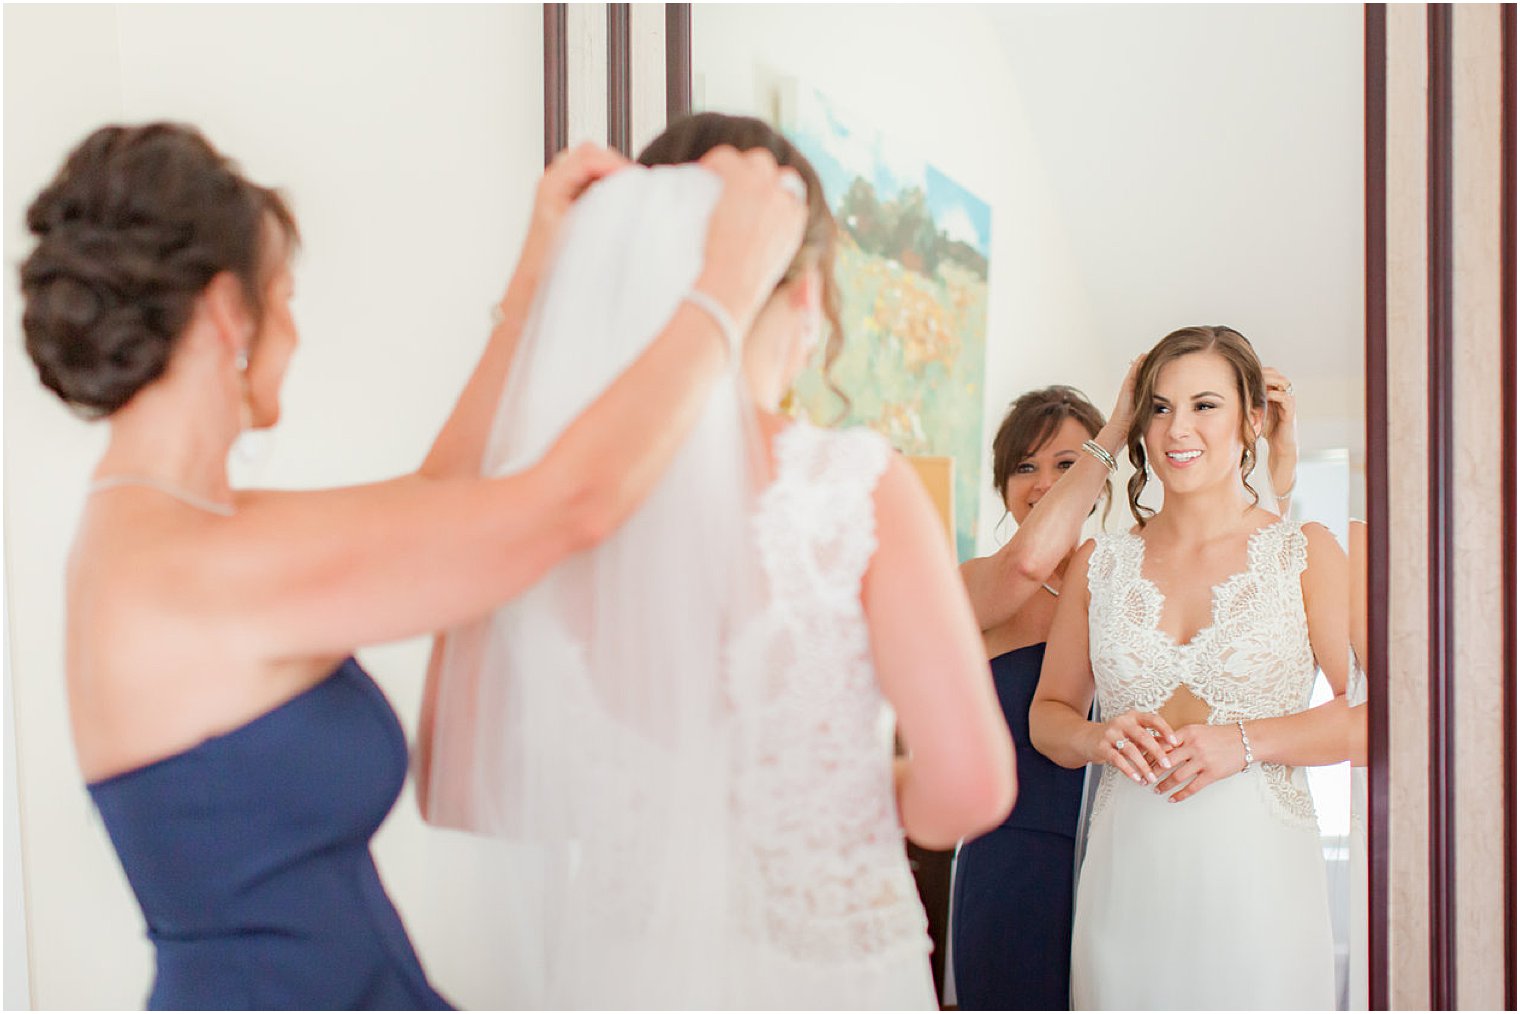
239	756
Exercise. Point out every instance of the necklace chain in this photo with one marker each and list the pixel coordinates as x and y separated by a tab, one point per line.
184	496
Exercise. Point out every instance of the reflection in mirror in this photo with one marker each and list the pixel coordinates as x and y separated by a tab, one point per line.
1046	195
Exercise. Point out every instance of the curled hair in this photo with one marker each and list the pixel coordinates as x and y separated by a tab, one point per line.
1250	385
129	233
690	137
1032	420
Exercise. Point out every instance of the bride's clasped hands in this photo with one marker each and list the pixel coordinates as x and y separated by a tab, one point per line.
1176	764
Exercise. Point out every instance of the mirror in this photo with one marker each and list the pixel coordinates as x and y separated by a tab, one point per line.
1048	192
1035	195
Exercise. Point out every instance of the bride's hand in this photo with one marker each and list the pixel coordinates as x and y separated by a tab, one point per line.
755	230
1205	754
1135	742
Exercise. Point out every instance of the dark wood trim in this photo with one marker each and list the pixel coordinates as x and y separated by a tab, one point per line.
1439	280
1507	393
1375	139
619	80
677	61
556	80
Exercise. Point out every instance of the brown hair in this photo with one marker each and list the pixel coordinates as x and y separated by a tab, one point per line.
1032	419
1231	346
690	137
129	233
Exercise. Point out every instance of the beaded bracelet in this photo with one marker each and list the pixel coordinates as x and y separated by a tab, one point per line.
1245	741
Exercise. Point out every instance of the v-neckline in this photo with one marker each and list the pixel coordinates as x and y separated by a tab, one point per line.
1215	591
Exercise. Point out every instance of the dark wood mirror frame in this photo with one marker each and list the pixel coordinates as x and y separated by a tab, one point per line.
1440	295
1440	283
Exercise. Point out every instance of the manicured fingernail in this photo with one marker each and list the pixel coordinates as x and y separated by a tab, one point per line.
1151	777
1137	779
1175	741
1165	762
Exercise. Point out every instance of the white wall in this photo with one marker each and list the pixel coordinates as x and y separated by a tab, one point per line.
408	140
936	79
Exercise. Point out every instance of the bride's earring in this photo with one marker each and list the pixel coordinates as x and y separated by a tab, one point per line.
1247	463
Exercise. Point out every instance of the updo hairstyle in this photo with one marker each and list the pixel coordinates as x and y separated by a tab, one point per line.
129	233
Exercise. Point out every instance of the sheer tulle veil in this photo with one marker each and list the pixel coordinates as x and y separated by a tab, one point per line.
585	724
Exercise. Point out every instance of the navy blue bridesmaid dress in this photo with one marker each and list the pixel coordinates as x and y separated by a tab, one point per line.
249	855
1011	920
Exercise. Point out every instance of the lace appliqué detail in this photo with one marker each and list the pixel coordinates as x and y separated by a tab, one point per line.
1252	661
814	797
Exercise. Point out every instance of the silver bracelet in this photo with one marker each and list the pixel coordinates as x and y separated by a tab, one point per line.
1100	452
721	317
1245	741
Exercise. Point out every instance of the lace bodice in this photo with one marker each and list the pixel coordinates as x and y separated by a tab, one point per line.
816	807
1252	661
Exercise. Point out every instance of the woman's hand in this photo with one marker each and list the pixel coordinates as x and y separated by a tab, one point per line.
1135	743
568	176
1204	755
1281	432
755	230
565	179
1115	433
1124	406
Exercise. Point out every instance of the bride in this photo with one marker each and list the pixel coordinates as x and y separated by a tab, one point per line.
1200	630
685	736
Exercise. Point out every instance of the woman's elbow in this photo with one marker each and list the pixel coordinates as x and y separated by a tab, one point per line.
588	521
972	801
591	507
1000	796
990	798
1028	563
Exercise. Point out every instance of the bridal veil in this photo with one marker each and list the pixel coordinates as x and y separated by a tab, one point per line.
585	723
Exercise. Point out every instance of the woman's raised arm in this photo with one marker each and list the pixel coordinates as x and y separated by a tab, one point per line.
1000	584
324	572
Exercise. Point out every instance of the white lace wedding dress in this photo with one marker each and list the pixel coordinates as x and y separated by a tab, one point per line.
678	735
1218	902
828	913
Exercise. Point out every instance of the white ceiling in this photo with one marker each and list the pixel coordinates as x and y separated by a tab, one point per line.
1208	164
